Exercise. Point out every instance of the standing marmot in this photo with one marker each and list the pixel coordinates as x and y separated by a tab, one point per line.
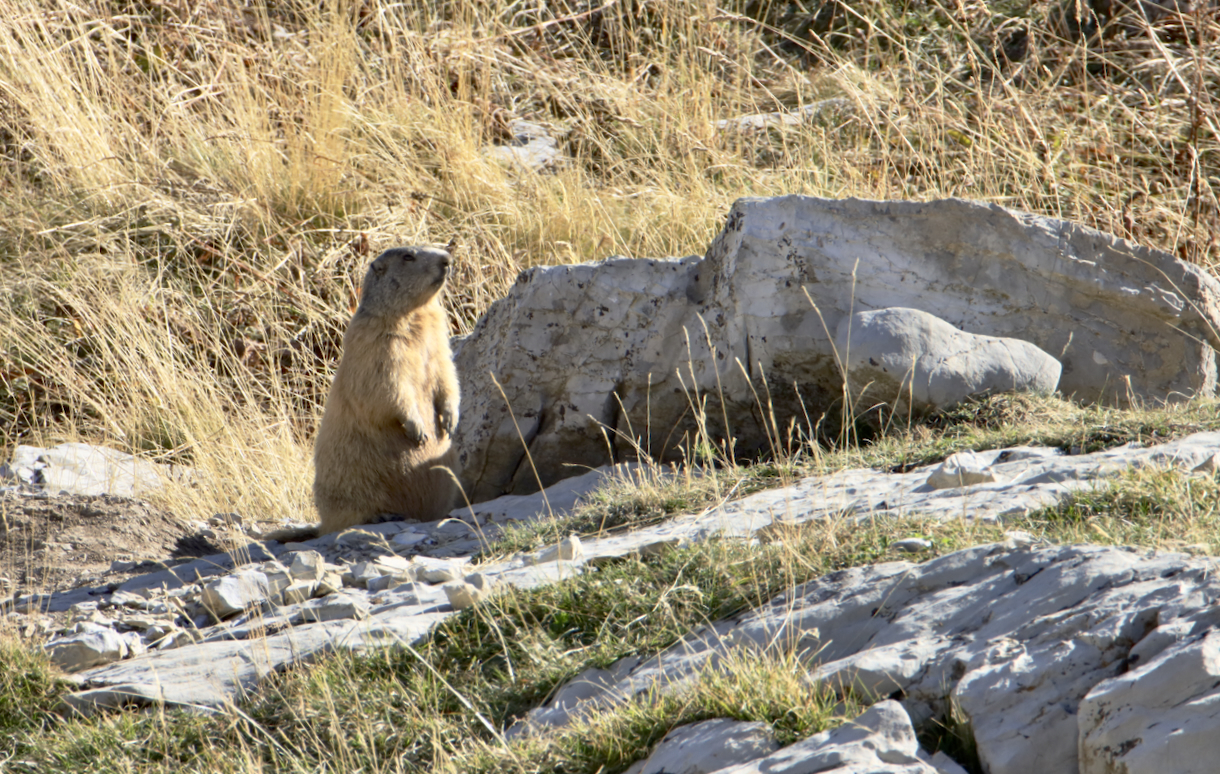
386	432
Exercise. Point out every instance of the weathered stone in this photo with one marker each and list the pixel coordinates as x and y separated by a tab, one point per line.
470	591
335	607
389	581
568	549
407	538
1163	716
307	566
880	741
911	545
234	593
299	592
78	468
961	469
361	573
701	748
88	649
436	571
915	362
622	350
1016	637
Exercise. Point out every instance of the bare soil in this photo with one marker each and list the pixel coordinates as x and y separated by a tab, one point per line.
68	541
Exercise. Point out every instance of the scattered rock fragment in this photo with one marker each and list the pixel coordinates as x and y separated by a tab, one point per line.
880	740
87	649
470	591
961	469
335	607
234	593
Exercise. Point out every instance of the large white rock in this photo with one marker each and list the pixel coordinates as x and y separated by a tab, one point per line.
913	360
597	359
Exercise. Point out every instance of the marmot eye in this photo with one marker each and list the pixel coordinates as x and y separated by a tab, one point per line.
408	257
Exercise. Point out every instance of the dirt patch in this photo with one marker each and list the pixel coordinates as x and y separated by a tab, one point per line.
68	541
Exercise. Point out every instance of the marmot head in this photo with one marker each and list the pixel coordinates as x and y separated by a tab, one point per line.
403	279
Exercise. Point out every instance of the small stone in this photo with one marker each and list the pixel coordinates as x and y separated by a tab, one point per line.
468	592
234	593
407	539
307	565
961	469
461	594
225	519
384	582
134	643
361	573
128	599
911	545
123	565
1018	539
278	580
82	610
393	563
139	622
331	583
436	571
85	650
300	591
480	581
1209	465
333	608
568	550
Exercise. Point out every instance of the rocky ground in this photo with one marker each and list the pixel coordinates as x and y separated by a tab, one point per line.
1060	657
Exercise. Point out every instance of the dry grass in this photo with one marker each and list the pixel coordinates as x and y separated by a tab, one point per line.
190	189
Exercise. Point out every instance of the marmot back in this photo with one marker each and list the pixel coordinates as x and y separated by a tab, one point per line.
385	438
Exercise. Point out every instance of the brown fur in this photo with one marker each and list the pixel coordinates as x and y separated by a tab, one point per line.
387	429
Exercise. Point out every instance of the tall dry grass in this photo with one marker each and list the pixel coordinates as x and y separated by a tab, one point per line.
190	189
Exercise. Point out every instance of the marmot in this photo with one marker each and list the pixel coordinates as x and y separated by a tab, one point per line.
386	432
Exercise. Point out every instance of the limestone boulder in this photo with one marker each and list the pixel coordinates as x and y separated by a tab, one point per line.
913	361
589	364
567	362
1120	317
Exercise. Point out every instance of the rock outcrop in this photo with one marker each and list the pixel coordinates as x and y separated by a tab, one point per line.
1061	659
599	361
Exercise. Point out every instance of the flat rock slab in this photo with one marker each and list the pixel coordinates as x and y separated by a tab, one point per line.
83	469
